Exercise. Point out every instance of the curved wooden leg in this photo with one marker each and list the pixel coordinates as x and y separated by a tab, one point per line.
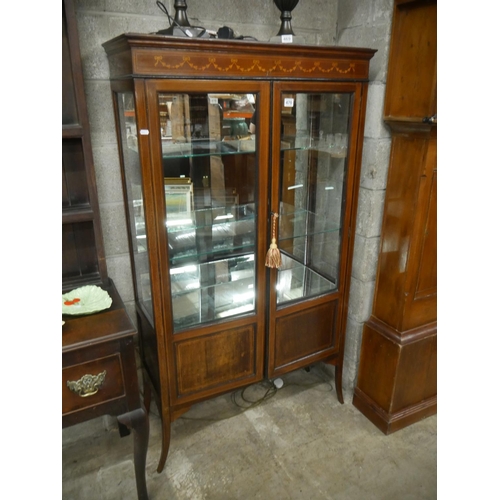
138	421
165	422
338	383
147	395
338	378
165	442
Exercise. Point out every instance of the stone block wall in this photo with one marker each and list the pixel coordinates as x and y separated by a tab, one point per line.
364	23
359	23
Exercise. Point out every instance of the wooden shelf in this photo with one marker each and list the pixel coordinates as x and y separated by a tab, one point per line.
73	215
72	131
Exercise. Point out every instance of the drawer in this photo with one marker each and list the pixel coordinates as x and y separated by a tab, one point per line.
93	382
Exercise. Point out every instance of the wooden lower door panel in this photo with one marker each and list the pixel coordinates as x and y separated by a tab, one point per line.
216	360
302	335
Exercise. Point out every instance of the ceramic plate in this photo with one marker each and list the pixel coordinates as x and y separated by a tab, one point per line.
85	300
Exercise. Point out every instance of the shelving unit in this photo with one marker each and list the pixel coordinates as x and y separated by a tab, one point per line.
83	260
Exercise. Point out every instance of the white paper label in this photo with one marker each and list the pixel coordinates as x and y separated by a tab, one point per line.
214	100
286	38
288	102
144	131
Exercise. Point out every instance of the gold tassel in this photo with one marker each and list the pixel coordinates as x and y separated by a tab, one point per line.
273	257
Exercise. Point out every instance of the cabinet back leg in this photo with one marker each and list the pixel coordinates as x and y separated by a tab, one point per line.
165	443
338	378
338	383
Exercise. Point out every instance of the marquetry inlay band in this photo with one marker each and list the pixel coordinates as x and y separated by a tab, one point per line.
256	65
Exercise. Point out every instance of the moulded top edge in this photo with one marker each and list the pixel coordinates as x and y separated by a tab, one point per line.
127	40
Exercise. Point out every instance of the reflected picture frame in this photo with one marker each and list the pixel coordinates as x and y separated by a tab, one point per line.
178	195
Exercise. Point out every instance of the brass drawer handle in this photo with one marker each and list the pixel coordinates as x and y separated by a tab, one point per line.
87	385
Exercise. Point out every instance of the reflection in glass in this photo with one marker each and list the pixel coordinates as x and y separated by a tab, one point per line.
313	161
209	170
135	206
213	290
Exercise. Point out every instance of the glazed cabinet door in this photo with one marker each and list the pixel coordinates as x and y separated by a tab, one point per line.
315	129
210	182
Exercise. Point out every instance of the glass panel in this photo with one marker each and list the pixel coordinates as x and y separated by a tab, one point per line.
134	202
209	169
313	163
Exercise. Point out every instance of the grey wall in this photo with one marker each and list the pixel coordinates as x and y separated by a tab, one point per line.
362	23
367	23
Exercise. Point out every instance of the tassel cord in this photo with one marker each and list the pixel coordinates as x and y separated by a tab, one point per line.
273	257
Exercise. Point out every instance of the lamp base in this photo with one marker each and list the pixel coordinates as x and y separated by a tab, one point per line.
185	31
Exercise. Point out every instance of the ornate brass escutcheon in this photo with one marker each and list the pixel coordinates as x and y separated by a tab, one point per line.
87	385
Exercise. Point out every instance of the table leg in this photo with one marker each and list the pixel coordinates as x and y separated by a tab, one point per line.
147	395
138	421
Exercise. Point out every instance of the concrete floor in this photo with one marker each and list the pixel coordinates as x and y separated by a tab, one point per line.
299	444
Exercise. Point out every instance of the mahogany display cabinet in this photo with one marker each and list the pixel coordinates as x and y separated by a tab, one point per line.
205	197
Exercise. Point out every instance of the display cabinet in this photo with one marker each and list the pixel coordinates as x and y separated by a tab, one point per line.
206	195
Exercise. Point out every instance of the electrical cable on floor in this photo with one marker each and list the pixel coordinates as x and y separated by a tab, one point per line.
270	392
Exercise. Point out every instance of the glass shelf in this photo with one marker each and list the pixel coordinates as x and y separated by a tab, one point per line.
213	231
195	256
209	217
207	148
306	143
302	223
296	281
